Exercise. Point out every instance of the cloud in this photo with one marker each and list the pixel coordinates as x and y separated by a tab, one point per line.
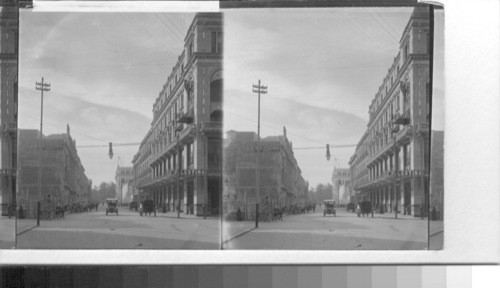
322	67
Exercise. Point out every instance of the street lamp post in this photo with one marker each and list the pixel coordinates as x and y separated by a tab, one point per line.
259	90
41	86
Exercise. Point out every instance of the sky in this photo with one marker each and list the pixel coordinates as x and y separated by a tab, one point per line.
105	71
322	68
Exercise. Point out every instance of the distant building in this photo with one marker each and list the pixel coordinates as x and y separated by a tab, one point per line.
63	176
9	27
390	166
341	178
125	189
186	132
280	178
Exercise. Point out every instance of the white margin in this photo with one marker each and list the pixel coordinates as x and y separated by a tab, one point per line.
126	6
472	161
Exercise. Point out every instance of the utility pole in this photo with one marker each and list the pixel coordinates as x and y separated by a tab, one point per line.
259	89
41	86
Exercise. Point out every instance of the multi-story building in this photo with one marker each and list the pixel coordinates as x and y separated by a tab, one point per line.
280	178
178	164
390	166
9	27
436	204
340	179
124	178
63	176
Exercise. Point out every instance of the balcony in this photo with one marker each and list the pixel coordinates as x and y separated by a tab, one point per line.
190	130
395	128
402	119
389	177
185	117
211	128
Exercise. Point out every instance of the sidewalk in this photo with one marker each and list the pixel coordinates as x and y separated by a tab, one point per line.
182	215
7	232
232	229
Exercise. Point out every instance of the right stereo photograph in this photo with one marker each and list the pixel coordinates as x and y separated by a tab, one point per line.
333	129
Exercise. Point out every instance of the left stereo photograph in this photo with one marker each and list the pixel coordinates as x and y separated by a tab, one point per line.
9	28
119	137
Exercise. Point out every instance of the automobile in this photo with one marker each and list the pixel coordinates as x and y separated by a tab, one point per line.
329	207
351	207
112	206
133	206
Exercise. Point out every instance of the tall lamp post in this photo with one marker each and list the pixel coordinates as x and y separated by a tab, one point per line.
41	86
259	89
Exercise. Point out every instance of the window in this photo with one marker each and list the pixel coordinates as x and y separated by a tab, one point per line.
190	51
216	91
219	42
191	154
214	42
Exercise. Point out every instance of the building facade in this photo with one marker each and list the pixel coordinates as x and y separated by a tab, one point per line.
436	204
63	176
9	28
341	179
390	166
280	178
125	189
178	164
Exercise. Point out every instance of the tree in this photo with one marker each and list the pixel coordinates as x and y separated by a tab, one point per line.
322	192
104	191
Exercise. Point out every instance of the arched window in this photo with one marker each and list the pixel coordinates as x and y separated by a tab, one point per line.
216	91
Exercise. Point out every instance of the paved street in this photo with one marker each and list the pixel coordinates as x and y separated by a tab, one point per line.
128	230
344	232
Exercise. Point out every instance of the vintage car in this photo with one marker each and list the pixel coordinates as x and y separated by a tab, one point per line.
329	208
112	206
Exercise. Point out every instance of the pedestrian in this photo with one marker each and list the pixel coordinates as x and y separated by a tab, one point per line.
140	209
239	216
358	210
